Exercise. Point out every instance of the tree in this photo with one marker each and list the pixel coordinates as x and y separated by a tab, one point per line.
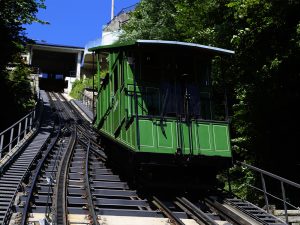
263	77
152	19
13	15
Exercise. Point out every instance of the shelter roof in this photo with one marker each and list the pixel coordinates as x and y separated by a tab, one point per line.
55	47
160	43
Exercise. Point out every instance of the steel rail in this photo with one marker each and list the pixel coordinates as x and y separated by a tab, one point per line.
60	203
166	211
187	211
197	214
226	213
84	129
88	188
51	181
34	179
96	150
78	115
67	111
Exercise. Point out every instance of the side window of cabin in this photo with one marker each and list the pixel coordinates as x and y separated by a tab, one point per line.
151	67
122	66
116	82
204	74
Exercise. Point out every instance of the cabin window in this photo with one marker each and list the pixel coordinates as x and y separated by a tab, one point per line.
204	74
122	66
116	83
151	70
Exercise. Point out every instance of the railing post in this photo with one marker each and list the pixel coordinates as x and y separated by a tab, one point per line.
284	203
26	123
30	122
11	138
1	145
265	191
34	113
229	181
19	131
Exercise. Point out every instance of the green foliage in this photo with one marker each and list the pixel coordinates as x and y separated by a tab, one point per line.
79	85
19	80
14	87
262	79
16	94
152	19
241	178
13	15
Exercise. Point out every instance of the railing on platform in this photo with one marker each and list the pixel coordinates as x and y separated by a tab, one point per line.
13	135
284	183
88	100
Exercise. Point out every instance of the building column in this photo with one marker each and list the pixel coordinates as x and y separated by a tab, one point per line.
30	55
78	66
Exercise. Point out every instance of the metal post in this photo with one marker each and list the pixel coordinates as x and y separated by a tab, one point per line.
1	145
228	180
30	122
11	138
226	105
284	203
26	123
19	131
265	191
93	100
34	113
112	9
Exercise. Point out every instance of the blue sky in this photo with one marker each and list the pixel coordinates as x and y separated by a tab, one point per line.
74	22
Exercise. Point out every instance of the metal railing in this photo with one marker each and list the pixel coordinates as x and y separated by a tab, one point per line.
122	11
15	134
88	101
284	183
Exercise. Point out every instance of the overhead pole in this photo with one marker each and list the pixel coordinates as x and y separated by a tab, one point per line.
112	9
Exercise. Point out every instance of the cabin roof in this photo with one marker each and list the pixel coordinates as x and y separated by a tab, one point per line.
160	43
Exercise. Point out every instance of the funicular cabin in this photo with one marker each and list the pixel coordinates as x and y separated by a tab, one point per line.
156	104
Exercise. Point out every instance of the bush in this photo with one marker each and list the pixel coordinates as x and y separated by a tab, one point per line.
79	85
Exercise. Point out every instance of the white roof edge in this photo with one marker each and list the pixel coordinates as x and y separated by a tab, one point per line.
186	44
58	47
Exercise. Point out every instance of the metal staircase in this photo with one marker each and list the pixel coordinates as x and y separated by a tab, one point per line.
255	212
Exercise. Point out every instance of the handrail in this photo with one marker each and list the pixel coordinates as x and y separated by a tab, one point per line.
2	132
9	138
270	174
282	181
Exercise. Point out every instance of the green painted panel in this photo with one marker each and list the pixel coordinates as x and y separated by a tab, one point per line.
166	136
204	139
123	134
129	72
110	124
146	134
122	106
142	109
116	114
221	138
133	134
130	99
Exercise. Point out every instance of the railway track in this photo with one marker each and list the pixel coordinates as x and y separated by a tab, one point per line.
74	184
69	182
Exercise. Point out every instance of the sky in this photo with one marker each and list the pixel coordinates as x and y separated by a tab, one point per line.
74	22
